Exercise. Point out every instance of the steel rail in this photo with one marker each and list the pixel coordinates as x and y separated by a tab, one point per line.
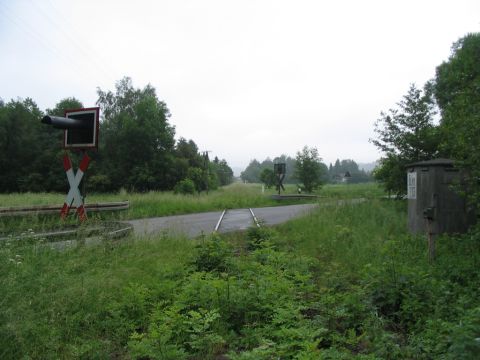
222	216
254	217
122	229
51	209
220	220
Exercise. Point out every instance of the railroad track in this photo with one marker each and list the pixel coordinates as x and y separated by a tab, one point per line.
238	219
55	209
73	235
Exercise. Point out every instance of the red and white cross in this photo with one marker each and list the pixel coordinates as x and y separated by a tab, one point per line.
73	195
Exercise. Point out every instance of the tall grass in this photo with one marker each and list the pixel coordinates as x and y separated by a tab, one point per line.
82	302
154	204
348	234
349	191
344	281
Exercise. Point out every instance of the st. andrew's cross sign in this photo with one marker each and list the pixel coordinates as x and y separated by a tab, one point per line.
280	169
80	128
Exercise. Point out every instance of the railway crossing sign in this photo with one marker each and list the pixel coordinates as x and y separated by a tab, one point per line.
74	197
80	128
85	135
280	170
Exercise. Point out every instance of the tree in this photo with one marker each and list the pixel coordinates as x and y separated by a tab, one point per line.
254	169
188	150
137	142
223	171
405	134
252	172
52	150
350	166
268	178
20	146
197	176
309	168
457	91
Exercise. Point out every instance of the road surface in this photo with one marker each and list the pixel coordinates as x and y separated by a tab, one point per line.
194	225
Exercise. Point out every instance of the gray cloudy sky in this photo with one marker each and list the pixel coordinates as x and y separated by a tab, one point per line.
244	79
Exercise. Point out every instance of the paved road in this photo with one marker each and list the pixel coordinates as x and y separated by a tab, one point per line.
195	224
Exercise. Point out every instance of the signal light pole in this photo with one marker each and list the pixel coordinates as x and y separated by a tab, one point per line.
81	127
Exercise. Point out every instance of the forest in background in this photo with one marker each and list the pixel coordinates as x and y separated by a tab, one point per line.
329	174
137	147
138	150
346	281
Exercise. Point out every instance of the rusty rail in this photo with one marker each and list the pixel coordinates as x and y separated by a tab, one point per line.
52	209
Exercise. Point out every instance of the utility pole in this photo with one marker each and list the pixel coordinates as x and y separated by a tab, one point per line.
206	161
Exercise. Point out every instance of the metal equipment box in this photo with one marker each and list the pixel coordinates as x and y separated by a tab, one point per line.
435	205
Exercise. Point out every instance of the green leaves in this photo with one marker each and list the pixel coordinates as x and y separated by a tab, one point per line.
405	134
457	90
309	168
137	141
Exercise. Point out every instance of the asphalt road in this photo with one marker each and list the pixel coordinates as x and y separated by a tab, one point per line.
195	224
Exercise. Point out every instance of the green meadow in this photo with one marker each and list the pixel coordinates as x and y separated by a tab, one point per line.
345	281
153	204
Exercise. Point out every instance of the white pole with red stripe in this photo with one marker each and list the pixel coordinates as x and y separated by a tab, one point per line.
74	195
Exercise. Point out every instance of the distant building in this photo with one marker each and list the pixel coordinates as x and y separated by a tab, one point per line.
342	178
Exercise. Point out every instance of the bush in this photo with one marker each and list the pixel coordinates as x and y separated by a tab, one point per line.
212	255
185	187
100	183
258	237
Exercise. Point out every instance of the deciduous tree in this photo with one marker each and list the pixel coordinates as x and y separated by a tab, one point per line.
268	178
137	139
457	91
309	168
405	134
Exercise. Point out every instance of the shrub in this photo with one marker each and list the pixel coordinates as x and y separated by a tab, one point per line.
100	183
258	237
212	255
185	186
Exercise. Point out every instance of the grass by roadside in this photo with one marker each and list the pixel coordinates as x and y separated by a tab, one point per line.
84	301
343	282
236	195
153	204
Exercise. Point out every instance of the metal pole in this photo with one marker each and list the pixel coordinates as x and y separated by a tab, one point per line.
84	180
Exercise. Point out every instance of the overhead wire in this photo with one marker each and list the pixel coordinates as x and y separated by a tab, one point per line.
30	32
74	40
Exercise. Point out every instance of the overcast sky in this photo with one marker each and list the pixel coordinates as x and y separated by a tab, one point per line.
243	79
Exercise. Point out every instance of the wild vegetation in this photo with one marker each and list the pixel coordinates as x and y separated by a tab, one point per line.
153	204
409	132
263	171
345	281
137	148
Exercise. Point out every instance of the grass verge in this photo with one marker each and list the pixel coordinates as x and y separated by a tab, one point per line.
154	204
344	282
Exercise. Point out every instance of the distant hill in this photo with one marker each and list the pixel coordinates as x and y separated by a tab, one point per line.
368	167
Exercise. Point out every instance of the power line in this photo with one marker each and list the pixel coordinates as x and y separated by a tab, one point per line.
85	49
30	32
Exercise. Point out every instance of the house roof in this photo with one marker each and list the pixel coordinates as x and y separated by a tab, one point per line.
434	162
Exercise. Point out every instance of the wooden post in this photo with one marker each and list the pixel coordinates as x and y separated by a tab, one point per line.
431	241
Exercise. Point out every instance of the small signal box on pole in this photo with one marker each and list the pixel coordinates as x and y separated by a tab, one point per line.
80	128
85	136
280	169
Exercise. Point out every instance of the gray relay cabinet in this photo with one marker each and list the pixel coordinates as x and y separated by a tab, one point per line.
434	204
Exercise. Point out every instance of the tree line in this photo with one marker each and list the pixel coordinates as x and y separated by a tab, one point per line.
346	170
137	147
440	120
